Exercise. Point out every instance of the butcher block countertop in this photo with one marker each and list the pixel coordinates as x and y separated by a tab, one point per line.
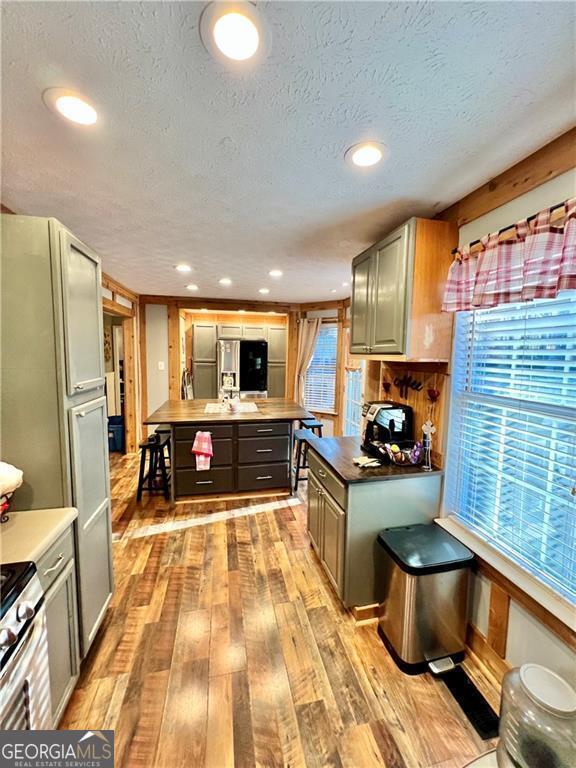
193	411
338	452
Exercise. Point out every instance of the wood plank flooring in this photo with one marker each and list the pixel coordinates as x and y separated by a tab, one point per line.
225	647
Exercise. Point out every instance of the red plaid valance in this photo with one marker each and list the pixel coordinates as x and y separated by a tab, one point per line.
536	263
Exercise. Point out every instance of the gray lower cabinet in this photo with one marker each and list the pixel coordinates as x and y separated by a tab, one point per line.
276	380
57	573
326	528
93	533
344	520
54	421
204	380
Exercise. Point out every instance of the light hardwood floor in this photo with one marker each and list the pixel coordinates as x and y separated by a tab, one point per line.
224	646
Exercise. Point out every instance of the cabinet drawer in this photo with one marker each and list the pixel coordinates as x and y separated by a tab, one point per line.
258	449
189	482
263	476
264	429
188	432
53	562
328	479
223	453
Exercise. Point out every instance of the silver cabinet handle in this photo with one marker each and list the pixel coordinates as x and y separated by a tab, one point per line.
56	565
204	482
264	477
263	450
78	386
322	473
265	430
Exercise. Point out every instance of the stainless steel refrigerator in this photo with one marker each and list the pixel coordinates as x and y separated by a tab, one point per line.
242	368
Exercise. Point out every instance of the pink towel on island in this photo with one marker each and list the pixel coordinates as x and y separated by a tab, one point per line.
203	449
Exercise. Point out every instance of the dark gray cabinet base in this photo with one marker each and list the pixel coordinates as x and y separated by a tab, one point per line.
247	457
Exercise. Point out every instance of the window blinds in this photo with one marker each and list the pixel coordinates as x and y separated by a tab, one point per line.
320	391
512	443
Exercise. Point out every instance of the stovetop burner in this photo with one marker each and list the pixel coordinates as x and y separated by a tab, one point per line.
13	579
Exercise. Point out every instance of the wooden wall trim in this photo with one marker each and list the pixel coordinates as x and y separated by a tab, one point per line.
550	621
116	309
173	352
498	614
545	164
479	646
116	287
143	369
222	305
128	336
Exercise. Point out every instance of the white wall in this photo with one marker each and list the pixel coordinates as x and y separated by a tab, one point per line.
156	355
528	639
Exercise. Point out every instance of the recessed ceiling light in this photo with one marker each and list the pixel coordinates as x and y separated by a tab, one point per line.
275	273
232	29
345	285
225	281
192	287
183	268
333	290
70	105
365	155
242	311
264	290
203	309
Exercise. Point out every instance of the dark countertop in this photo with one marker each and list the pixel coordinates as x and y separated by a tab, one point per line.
338	453
192	412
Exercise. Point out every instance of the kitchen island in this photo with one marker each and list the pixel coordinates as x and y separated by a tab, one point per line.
348	507
252	448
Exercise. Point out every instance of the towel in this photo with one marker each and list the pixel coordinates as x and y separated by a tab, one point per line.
203	449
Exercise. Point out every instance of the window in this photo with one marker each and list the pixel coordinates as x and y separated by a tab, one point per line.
353	407
320	393
512	445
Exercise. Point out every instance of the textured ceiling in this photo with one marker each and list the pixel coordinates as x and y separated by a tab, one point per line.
240	172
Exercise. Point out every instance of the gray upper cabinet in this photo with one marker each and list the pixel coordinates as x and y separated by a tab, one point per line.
277	344
229	331
255	332
397	294
204	343
54	424
361	311
389	285
91	497
81	280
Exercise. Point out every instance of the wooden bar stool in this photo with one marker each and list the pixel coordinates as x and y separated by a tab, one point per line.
313	424
157	478
164	430
301	438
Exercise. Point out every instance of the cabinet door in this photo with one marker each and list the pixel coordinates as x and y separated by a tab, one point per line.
276	380
255	332
389	295
361	303
333	525
62	625
91	496
204	343
230	331
314	512
204	381
276	344
82	305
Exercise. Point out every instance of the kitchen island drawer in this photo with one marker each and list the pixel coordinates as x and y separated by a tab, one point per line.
264	429
189	482
263	476
258	449
223	453
327	478
188	431
54	560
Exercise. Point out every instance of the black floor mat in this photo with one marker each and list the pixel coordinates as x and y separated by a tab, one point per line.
472	703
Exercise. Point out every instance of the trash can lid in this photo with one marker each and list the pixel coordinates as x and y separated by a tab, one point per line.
424	548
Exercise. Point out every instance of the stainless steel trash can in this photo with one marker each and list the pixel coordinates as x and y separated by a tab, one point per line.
425	572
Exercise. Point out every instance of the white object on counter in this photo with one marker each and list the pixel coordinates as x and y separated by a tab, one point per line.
484	761
29	533
10	478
